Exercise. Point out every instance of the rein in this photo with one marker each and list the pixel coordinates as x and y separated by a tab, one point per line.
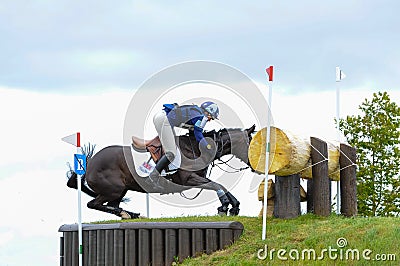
220	144
236	170
219	155
186	197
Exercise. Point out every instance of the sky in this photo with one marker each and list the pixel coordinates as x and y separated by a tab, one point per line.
69	66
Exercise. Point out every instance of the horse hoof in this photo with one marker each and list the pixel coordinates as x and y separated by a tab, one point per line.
125	215
234	211
222	211
129	215
135	215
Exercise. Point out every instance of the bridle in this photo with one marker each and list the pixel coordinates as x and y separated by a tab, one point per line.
220	143
219	140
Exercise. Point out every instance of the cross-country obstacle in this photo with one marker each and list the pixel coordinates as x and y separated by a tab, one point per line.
292	158
145	243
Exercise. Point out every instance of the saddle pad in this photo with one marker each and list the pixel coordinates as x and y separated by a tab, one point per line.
143	169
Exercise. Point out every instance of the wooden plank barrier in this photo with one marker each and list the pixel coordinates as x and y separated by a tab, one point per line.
145	243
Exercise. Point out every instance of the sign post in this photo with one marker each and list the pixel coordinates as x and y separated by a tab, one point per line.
79	169
339	76
270	72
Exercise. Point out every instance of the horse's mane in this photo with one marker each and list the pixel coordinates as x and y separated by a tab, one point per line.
212	133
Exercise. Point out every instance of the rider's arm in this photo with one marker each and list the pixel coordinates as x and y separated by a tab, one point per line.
198	131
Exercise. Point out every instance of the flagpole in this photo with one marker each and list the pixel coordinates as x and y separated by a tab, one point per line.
79	178
75	139
148	205
338	79
267	150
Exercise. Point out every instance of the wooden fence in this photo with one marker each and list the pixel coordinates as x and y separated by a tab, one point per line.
144	243
287	188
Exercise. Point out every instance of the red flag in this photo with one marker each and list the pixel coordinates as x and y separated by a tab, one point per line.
270	72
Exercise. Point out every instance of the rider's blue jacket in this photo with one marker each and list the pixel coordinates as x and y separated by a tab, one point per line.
187	116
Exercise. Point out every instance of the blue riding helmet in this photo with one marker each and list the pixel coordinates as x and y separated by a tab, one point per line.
211	108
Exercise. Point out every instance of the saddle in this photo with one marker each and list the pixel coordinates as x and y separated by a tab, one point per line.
152	146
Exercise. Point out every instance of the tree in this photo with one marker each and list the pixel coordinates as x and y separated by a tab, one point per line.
376	136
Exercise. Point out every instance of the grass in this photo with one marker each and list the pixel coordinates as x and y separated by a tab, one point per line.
381	235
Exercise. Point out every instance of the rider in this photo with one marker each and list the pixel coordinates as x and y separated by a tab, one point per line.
191	117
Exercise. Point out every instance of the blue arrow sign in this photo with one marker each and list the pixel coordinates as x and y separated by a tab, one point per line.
80	164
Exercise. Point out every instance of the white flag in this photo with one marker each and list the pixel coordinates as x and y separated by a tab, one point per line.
74	139
339	74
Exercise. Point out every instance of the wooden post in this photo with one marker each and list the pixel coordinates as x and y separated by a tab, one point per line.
310	198
68	247
75	251
197	241
86	248
62	251
211	240
287	196
184	245
131	247
100	247
158	246
321	182
118	247
171	245
92	247
109	247
348	185
225	238
144	248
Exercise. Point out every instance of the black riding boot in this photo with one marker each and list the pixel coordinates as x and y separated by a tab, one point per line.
164	161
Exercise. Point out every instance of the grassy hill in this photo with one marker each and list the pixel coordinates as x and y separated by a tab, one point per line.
307	240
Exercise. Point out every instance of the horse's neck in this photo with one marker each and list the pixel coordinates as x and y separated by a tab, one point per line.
188	146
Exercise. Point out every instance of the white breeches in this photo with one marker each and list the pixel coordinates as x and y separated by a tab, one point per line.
165	132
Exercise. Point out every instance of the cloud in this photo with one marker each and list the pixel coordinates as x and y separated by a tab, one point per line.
108	44
36	122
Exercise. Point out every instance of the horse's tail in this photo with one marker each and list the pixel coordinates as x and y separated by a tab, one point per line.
73	177
73	183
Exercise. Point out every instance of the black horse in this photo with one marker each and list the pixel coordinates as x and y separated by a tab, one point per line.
111	173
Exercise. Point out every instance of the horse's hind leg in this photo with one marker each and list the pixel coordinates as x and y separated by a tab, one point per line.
98	204
124	214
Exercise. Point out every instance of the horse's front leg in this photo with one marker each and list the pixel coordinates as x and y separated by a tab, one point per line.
227	198
235	204
205	183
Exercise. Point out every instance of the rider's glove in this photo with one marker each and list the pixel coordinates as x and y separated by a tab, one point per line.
204	145
207	149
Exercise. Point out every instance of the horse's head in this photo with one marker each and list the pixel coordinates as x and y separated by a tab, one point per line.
234	141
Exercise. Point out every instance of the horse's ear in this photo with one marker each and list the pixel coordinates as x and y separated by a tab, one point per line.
251	130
